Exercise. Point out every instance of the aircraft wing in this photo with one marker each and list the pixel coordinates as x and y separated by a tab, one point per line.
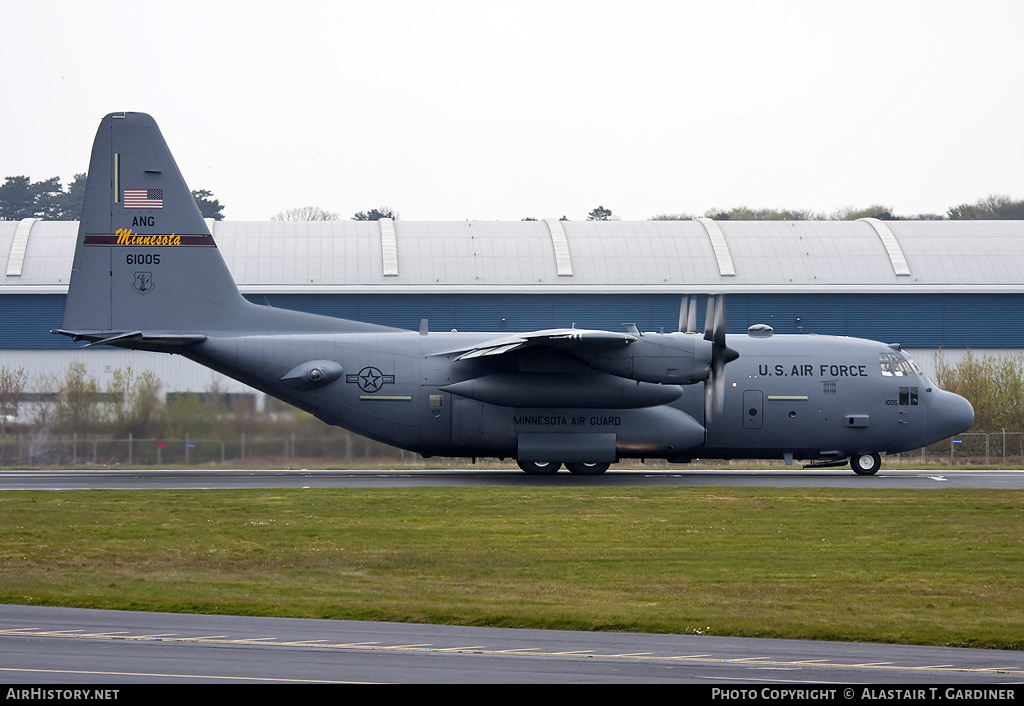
569	340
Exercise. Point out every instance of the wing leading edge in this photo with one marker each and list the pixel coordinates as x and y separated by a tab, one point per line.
572	341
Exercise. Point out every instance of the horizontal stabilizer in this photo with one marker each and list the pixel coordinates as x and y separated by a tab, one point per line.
136	340
110	340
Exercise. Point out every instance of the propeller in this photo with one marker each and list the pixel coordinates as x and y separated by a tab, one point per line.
721	355
688	315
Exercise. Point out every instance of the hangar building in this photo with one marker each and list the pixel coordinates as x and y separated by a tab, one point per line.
928	285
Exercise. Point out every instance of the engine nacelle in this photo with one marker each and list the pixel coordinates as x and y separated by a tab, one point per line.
549	390
668	358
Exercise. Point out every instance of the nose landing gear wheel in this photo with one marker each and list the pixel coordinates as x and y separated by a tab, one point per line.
540	468
587	469
866	464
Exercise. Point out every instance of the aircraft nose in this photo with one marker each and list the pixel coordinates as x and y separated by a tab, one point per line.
948	414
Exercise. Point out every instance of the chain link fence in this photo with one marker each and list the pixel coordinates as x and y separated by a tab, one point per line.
30	450
976	447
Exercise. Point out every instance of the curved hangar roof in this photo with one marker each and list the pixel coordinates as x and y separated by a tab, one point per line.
574	256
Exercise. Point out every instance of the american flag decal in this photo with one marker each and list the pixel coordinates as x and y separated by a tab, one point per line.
143	198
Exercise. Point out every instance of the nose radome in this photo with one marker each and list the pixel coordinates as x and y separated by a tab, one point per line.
948	414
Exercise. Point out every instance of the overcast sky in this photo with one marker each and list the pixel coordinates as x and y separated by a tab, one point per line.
502	110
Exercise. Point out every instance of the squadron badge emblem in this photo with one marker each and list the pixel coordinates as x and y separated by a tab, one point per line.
143	282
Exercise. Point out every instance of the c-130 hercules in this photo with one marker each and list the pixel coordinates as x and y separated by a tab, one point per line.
148	276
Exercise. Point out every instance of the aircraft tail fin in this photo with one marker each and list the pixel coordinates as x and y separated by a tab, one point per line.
144	259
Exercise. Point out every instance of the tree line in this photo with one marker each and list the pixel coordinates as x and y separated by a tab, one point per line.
20	198
994	385
993	208
315	213
71	418
133	404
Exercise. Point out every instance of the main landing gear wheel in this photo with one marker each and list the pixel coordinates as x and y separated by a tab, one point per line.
587	469
866	464
540	468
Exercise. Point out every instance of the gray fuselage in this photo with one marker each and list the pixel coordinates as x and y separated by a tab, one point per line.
805	397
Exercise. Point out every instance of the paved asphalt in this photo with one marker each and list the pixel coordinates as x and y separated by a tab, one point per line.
42	645
197	479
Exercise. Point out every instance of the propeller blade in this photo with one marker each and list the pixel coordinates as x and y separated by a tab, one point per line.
688	314
721	355
709	320
719	330
709	400
714	388
719	384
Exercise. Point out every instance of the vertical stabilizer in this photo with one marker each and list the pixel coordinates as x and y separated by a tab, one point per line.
145	260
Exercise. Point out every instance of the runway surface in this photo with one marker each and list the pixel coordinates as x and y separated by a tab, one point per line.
76	646
199	479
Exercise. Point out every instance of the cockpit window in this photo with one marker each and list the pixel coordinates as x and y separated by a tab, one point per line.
914	366
895	364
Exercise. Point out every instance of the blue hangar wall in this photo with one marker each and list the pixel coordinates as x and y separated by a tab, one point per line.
915	320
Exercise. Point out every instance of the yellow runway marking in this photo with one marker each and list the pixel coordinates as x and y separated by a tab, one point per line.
933	666
630	654
470	648
757	661
175	676
693	657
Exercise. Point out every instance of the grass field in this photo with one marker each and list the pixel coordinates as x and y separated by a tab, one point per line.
921	567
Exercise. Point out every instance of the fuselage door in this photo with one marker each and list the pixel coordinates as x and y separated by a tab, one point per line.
435	416
753	402
909	397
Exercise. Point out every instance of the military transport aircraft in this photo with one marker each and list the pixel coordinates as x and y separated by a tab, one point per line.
147	275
